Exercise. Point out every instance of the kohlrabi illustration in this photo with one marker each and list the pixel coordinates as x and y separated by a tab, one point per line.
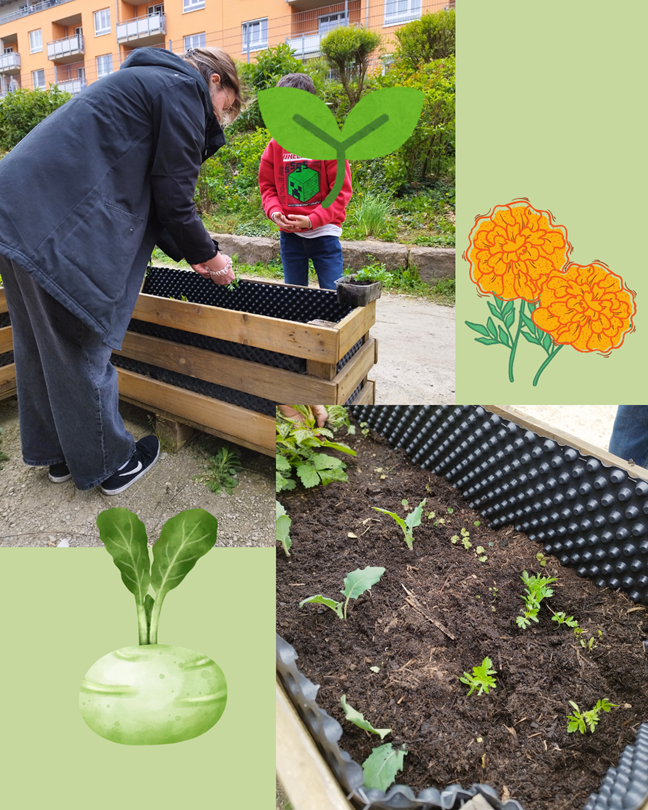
153	694
379	123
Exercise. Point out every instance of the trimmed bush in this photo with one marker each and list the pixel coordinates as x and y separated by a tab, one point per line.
424	40
347	50
21	110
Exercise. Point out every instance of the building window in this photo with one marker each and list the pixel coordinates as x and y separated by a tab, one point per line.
104	66
102	22
81	74
330	21
153	11
192	5
8	50
38	79
401	11
35	41
194	41
255	35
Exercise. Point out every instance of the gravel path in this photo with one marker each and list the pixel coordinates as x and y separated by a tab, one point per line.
36	513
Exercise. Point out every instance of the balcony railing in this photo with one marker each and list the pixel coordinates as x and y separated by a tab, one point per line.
305	45
10	63
141	28
24	11
69	46
75	86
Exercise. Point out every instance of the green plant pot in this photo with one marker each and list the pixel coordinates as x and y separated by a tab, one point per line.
357	293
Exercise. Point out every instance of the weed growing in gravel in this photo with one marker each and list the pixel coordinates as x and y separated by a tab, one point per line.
283	528
580	721
3	456
481	678
221	471
409	524
355	584
537	590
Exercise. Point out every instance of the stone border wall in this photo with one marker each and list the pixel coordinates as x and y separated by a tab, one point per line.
432	263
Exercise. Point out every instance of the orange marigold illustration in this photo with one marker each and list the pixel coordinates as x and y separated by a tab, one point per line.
587	306
514	249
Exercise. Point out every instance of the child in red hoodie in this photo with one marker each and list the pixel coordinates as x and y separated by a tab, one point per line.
292	192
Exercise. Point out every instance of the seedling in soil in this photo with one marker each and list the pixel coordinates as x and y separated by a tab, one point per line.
476	524
222	470
540	557
355	584
562	618
537	590
409	524
430	515
382	765
581	721
153	694
355	717
364	429
481	678
283	528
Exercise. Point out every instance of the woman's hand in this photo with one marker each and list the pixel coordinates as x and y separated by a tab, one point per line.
219	269
319	412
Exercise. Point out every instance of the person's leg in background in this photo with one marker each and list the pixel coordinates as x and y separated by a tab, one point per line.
326	253
294	258
68	400
630	434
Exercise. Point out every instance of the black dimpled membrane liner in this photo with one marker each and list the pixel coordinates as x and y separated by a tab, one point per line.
590	515
6	359
4	319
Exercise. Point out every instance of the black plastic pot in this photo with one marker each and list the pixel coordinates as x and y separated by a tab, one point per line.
513	476
353	293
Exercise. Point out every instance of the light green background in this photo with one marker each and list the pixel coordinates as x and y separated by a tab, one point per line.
61	611
551	105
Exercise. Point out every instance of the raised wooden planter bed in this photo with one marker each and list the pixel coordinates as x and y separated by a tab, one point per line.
7	366
279	360
506	466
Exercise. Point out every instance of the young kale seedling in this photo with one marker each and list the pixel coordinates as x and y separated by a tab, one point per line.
154	693
382	765
579	721
357	718
409	524
537	590
283	528
481	678
355	584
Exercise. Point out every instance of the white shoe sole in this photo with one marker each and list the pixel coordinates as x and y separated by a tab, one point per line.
132	481
61	479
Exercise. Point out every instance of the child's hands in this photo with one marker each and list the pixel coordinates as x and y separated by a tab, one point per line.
300	222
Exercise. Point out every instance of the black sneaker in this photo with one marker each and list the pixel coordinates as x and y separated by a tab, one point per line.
59	473
146	454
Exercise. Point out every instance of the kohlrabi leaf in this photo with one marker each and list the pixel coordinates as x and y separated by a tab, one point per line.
398	519
355	717
323	600
414	518
184	539
280	105
124	536
359	581
382	765
283	528
381	122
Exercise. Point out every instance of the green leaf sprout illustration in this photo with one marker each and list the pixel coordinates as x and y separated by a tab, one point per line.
379	123
153	693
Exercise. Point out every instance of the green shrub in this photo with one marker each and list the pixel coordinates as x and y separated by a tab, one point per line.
431	37
429	152
22	110
347	50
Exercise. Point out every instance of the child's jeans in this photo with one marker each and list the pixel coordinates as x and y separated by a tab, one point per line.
68	403
630	434
325	251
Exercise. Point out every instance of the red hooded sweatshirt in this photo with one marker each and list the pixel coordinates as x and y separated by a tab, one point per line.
296	185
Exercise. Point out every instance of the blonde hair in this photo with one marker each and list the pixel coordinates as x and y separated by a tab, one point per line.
208	61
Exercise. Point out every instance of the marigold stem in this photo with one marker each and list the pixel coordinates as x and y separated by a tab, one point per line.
545	364
515	343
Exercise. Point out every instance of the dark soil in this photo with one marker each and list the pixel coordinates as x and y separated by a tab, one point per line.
514	738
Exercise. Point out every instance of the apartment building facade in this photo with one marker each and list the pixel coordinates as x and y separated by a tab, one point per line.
72	43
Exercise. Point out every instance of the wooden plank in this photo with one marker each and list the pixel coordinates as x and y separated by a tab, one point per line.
6	339
368	394
275	384
562	437
7	380
303	773
355	371
3	301
354	326
226	420
274	334
325	371
173	434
